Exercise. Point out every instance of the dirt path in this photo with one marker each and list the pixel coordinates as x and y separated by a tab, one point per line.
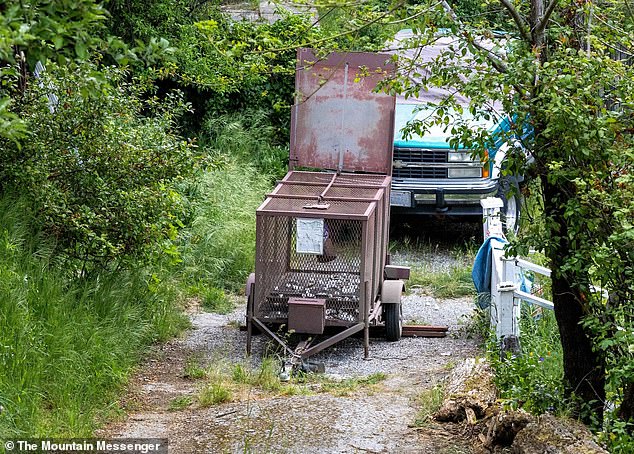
376	419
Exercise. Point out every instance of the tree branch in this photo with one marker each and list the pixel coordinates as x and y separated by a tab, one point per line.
541	26
629	8
491	56
519	20
495	61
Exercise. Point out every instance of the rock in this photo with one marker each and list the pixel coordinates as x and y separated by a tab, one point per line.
550	435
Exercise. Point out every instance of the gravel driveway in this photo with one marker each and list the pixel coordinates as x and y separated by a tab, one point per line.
379	421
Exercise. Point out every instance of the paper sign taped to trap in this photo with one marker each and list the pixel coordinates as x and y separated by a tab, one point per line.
310	236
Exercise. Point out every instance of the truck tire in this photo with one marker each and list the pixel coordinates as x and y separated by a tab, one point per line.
511	211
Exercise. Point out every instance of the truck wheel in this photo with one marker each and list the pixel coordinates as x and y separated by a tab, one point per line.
510	213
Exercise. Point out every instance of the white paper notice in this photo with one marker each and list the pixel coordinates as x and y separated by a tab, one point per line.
310	236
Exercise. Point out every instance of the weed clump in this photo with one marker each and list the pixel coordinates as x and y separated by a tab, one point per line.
429	402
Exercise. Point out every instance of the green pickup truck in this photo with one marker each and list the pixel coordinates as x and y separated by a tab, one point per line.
430	177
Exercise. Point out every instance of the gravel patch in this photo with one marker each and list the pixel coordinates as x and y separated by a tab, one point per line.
217	336
430	260
377	420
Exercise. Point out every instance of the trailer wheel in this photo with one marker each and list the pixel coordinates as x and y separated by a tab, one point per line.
393	318
391	292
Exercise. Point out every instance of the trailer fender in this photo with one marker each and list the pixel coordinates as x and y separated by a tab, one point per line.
394	272
391	291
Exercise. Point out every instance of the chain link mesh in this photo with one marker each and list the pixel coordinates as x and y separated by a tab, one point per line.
333	275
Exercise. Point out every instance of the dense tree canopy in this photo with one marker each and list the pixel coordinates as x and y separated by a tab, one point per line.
563	71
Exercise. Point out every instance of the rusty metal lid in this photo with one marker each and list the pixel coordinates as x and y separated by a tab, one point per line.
339	122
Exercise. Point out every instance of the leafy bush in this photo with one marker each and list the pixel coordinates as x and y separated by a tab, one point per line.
533	379
231	67
99	170
66	347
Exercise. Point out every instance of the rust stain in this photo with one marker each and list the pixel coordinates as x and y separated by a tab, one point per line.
338	115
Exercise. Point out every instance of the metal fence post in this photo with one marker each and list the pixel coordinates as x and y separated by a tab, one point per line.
496	277
508	314
505	310
492	224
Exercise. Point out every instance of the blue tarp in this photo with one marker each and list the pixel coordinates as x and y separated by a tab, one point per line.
482	266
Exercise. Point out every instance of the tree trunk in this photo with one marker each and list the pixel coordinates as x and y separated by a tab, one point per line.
537	12
626	410
584	369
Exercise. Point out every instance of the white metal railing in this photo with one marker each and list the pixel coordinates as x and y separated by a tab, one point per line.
506	278
507	275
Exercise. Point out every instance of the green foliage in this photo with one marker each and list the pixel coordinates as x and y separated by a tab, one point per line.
214	394
33	30
249	136
215	300
532	380
180	403
428	403
100	169
351	385
235	66
68	346
144	20
616	435
359	27
452	283
193	369
218	247
57	30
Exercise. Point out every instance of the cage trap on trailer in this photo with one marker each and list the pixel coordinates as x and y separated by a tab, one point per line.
322	237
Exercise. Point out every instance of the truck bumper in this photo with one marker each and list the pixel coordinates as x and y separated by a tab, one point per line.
459	197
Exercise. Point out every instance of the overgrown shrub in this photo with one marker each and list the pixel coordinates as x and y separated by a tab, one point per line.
67	346
99	163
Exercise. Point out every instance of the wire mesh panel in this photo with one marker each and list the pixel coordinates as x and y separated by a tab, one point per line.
284	270
322	236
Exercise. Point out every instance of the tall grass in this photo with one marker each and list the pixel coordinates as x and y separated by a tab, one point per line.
250	137
534	379
68	345
218	248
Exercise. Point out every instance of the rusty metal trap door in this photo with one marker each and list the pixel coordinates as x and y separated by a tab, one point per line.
340	121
